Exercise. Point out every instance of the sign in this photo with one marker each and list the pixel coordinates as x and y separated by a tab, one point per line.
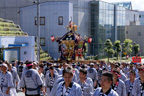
11	54
136	59
124	53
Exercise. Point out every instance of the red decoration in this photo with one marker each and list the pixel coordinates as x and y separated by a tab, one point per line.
52	38
136	59
90	40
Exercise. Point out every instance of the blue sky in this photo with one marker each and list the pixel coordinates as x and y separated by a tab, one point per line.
136	4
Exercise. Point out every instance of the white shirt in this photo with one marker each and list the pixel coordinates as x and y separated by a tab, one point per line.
64	90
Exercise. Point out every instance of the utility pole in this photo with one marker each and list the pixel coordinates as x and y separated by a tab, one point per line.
38	30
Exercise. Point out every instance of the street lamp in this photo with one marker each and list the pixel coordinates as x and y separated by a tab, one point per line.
121	51
38	28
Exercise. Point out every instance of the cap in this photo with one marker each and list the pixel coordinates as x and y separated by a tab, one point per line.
91	64
5	65
34	63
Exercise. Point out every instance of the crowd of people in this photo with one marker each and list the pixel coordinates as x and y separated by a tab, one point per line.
71	79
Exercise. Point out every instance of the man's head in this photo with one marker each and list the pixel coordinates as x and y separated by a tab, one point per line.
106	80
91	65
115	73
132	74
34	65
4	67
82	74
41	68
68	74
141	71
29	64
10	67
51	70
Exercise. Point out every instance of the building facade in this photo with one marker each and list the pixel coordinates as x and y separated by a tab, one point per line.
54	17
108	21
141	17
18	48
136	34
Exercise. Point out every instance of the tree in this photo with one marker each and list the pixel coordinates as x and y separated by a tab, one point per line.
109	48
117	46
136	48
128	46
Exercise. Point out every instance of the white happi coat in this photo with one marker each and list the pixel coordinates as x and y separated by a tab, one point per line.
50	82
136	88
121	88
87	88
111	93
128	83
75	90
31	79
6	81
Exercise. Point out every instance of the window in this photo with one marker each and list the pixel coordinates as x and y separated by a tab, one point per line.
42	20
139	16
139	33
126	32
60	20
42	41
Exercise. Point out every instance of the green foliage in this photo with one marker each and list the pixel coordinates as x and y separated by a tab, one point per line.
117	46
128	46
136	48
92	57
8	28
109	48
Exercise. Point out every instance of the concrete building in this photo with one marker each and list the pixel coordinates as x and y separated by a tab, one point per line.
108	21
141	17
54	17
18	48
136	34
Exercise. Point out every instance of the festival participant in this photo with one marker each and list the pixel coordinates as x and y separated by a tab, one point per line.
57	68
129	83
15	78
61	72
31	82
133	68
14	65
53	91
68	87
118	85
48	71
122	75
105	89
40	71
92	73
99	70
86	83
50	79
35	66
20	69
138	87
6	82
76	71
